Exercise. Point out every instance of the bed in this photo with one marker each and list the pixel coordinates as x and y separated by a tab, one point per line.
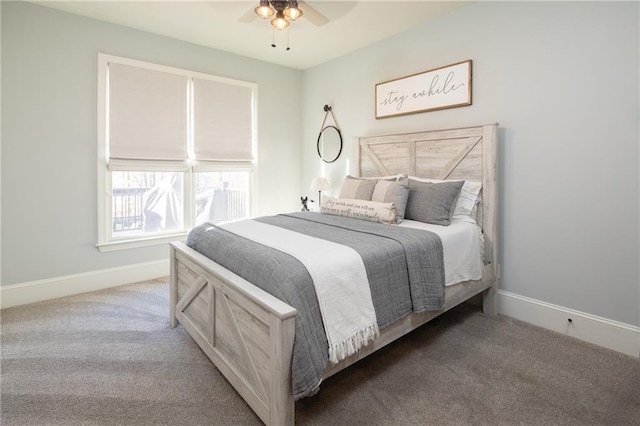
249	334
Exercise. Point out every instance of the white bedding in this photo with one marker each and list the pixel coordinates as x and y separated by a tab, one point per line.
462	247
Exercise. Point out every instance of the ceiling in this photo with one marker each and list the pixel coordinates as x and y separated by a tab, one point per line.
217	24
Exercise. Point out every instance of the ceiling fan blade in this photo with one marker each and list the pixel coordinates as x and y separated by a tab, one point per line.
312	15
248	16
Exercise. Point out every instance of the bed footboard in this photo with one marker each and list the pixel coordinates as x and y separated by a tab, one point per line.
247	333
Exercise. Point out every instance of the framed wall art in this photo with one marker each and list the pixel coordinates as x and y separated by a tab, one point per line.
445	87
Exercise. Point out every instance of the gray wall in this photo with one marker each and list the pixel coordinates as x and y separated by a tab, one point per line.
49	73
562	81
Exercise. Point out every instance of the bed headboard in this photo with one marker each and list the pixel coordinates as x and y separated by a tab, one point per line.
465	153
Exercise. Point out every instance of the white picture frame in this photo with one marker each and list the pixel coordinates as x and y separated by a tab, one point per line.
448	86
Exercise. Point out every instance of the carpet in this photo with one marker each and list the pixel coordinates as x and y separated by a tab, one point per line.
110	358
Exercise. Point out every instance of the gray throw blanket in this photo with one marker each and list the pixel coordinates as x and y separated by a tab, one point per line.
405	268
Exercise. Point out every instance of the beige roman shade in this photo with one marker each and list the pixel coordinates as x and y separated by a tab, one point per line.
222	128
147	114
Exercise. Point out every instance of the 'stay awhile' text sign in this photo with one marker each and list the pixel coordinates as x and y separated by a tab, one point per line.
444	87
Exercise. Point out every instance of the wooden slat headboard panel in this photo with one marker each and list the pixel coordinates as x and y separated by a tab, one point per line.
466	153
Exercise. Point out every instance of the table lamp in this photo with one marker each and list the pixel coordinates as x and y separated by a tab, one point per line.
319	184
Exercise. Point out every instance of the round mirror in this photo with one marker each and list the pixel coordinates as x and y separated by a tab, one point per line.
329	144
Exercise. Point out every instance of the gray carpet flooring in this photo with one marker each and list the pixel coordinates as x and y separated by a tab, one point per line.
110	358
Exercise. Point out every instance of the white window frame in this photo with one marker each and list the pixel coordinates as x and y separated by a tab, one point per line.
106	240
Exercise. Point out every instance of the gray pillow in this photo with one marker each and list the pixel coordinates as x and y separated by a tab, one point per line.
432	202
358	189
396	192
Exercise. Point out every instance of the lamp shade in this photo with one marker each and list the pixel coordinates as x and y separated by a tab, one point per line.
319	184
279	22
264	10
292	11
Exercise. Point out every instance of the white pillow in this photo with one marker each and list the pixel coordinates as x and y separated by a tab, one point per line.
359	209
467	199
389	177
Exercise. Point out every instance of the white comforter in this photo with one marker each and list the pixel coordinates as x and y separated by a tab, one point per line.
462	247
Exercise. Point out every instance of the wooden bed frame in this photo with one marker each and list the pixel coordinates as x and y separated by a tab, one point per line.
249	334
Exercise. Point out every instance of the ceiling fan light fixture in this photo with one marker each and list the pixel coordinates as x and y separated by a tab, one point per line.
264	9
292	11
279	22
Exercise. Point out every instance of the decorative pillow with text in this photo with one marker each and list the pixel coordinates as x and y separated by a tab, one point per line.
360	209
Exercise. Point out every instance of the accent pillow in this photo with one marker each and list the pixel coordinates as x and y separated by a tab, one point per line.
356	188
467	200
396	192
360	209
432	202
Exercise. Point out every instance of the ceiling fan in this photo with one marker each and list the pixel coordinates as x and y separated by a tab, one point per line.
284	12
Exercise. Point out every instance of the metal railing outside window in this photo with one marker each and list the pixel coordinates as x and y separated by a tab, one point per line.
214	204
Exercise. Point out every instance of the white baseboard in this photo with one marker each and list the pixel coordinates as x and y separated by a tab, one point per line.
604	332
52	288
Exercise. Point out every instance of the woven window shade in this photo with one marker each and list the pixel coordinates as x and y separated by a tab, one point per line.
147	114
222	121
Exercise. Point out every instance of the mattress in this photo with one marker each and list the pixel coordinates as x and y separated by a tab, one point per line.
462	247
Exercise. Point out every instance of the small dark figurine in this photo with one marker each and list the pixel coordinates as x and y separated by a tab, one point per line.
304	202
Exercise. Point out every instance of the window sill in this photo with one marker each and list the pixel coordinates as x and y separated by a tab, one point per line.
140	242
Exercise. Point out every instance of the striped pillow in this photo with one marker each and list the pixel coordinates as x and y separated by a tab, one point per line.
358	189
396	192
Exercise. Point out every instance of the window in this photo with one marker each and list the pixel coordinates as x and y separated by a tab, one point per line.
221	196
176	148
146	203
